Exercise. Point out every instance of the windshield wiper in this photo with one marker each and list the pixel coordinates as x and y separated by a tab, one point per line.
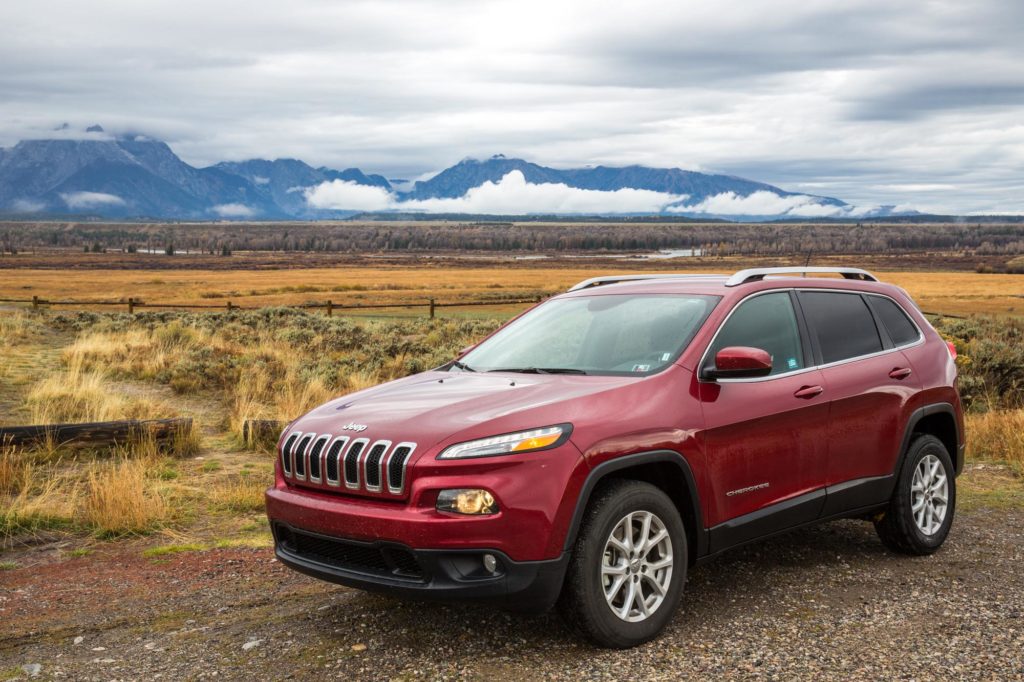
463	366
540	370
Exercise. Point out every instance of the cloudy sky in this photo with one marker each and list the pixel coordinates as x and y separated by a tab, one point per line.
873	101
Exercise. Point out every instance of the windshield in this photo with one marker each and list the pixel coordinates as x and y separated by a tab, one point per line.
605	334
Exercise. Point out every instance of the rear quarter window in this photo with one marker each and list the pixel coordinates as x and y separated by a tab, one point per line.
901	329
842	324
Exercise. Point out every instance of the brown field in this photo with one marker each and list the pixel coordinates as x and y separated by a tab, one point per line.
949	292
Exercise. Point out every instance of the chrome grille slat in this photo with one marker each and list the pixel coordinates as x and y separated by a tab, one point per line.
316	451
373	465
299	456
352	478
286	453
396	466
332	460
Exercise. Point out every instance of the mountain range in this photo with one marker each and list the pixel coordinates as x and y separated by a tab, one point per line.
134	176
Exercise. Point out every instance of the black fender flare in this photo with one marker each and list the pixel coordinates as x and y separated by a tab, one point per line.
619	463
915	417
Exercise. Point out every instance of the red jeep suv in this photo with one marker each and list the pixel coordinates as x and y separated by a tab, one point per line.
594	448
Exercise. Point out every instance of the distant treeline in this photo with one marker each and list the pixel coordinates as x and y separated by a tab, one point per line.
715	239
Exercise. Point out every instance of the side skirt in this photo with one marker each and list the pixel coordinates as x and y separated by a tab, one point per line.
848	499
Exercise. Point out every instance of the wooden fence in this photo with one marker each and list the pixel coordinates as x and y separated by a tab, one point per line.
132	304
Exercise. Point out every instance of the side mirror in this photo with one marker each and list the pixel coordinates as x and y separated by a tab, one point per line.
739	362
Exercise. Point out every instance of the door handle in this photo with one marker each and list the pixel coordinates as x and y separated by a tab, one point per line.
808	392
901	373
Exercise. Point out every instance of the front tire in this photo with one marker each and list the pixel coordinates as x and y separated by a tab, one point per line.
921	510
628	566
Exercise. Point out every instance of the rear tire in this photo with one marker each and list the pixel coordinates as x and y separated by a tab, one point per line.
921	510
628	566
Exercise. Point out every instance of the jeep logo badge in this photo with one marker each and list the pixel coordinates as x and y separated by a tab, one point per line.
352	426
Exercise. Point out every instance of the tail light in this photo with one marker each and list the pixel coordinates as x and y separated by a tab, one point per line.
951	348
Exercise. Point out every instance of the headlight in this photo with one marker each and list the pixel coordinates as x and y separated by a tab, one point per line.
510	443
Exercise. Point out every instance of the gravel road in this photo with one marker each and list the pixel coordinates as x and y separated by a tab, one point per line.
822	603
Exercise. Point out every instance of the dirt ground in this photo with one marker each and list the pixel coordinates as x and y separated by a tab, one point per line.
824	602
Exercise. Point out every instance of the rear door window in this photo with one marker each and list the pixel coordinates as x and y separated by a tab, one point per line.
842	324
766	322
901	330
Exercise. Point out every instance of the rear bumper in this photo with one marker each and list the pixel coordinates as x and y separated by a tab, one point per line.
421	573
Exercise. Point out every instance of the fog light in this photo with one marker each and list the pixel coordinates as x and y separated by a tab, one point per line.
467	501
490	563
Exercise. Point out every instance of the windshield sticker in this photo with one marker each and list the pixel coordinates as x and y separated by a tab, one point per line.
665	356
641	368
792	363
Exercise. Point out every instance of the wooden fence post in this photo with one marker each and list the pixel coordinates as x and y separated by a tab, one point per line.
35	302
230	306
131	305
431	308
330	308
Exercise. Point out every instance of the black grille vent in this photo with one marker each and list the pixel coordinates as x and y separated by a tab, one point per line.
300	460
333	454
396	467
352	462
373	465
351	556
314	457
286	456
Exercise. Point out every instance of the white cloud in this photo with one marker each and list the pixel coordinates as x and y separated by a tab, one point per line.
27	206
234	211
260	180
91	199
342	195
761	202
510	195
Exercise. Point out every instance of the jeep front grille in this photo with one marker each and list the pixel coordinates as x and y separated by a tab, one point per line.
322	460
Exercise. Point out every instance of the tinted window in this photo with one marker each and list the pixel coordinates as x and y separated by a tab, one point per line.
766	322
901	329
843	324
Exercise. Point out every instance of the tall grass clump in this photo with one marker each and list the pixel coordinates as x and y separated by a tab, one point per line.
997	436
120	500
80	394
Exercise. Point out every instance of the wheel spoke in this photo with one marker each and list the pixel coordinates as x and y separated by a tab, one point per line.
627	603
617	569
645	533
917	505
638	597
654	541
618	544
664	562
658	587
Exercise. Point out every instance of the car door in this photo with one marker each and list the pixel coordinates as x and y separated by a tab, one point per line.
765	438
868	381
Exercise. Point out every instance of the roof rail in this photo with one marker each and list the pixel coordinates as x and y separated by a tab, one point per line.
757	274
615	279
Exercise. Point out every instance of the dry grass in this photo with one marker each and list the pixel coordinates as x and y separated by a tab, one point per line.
240	493
997	437
78	394
950	292
120	499
19	328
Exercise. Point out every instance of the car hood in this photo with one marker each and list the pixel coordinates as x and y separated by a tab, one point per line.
435	406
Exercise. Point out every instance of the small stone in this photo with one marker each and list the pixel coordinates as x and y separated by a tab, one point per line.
31	669
251	644
358	647
149	645
99	648
79	639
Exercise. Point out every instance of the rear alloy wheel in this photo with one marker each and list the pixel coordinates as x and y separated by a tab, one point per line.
628	565
921	510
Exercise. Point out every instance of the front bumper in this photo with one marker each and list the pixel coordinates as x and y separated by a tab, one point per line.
420	573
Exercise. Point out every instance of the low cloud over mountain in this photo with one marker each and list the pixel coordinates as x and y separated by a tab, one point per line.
97	173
